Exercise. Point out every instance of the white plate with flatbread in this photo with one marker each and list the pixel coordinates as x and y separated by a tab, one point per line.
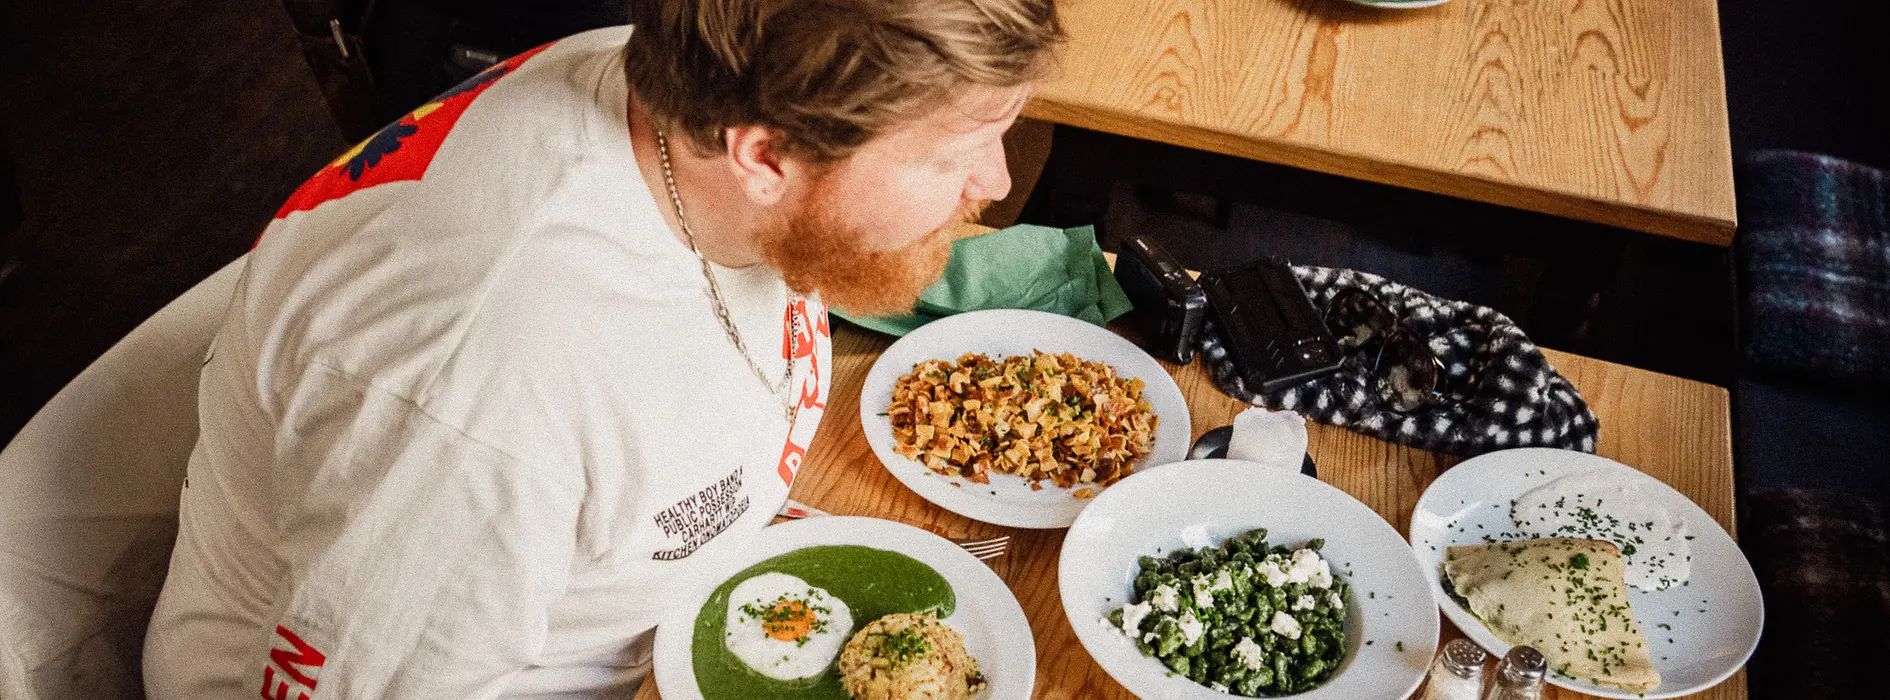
1698	634
1009	500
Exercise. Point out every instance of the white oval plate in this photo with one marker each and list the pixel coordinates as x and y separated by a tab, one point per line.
1202	502
1008	499
1715	619
996	632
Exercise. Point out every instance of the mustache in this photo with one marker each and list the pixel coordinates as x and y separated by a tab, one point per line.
819	252
970	210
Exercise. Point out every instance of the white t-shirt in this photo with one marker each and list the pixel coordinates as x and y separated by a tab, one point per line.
472	417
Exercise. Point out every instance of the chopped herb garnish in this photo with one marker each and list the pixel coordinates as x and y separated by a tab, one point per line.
904	646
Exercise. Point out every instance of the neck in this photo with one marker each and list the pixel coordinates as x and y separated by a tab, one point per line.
723	220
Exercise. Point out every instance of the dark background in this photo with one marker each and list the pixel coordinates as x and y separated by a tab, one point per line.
150	141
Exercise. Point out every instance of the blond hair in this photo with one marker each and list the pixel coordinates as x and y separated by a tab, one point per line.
829	75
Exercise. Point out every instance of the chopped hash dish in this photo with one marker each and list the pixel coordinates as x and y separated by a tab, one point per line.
1045	417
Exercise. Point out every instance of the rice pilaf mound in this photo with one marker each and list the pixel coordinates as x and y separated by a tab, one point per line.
908	656
1045	417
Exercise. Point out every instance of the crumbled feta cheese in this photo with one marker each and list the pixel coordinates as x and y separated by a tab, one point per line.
1305	564
1203	595
1166	598
1322	577
1132	616
1337	602
1250	654
1270	569
1222	582
1284	625
1304	602
1192	628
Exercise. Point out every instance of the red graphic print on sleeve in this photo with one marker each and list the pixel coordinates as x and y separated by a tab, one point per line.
401	150
299	667
803	335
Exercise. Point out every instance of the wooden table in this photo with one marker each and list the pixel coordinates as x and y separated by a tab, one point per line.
1674	429
1612	111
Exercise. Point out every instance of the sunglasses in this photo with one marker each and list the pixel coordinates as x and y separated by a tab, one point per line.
1408	375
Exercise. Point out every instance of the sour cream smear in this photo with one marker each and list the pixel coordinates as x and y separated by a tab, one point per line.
1597	506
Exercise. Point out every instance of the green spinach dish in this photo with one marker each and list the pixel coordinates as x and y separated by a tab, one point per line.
1243	618
775	629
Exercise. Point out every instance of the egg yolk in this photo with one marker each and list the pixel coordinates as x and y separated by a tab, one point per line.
788	620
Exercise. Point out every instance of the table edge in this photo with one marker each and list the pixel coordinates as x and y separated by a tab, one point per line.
1701	228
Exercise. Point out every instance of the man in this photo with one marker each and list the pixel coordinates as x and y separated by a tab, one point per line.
497	377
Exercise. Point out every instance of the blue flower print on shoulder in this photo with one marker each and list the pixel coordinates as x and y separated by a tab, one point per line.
382	144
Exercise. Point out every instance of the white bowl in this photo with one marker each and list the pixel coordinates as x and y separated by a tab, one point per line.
1008	500
1201	502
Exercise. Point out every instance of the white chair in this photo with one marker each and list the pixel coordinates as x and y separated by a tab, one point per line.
88	506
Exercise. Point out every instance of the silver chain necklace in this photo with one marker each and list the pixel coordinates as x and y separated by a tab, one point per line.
779	389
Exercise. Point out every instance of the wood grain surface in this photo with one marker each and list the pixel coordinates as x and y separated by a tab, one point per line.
1612	111
1674	429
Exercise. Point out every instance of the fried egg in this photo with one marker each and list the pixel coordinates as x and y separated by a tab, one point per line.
783	628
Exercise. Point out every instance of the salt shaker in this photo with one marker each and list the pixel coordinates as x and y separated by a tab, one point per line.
1519	677
1457	674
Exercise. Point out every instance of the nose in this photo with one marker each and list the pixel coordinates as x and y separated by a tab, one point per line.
991	177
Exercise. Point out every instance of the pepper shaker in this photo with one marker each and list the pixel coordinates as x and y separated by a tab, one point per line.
1519	677
1457	673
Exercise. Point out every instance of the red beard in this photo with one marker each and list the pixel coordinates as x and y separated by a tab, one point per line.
818	252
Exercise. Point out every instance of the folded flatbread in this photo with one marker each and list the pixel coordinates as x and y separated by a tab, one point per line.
1565	597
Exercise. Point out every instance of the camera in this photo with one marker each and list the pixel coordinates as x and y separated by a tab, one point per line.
1170	306
1273	334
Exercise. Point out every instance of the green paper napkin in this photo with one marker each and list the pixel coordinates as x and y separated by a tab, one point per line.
1061	271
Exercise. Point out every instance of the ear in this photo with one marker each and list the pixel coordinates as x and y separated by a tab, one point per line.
755	159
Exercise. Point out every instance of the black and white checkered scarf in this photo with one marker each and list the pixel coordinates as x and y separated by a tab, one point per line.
1502	391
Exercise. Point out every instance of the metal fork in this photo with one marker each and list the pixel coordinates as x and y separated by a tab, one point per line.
985	549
